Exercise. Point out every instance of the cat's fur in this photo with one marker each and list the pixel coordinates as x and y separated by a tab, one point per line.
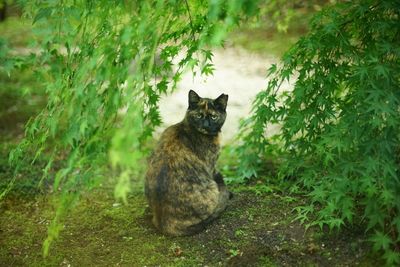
184	190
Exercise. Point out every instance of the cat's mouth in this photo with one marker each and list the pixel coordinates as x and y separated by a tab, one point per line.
207	132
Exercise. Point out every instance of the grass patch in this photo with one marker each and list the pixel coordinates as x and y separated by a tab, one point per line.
266	40
16	31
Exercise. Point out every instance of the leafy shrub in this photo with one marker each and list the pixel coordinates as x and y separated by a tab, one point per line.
340	124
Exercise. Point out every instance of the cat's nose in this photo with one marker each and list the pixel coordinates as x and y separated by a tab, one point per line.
206	123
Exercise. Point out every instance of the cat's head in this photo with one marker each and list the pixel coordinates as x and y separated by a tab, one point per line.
206	115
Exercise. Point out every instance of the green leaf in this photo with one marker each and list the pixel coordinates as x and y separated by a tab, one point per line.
123	187
43	13
381	241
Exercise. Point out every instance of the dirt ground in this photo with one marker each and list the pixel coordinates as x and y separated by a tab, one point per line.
255	230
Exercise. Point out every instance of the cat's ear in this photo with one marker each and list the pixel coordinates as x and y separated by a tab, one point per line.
221	102
194	98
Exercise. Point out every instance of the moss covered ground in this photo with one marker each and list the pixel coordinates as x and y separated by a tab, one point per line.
255	230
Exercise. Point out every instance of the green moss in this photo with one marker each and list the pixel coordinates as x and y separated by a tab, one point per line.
101	232
265	261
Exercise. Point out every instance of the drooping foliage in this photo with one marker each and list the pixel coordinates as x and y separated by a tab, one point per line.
104	65
339	135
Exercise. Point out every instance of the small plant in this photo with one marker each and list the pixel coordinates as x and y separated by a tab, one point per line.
235	253
176	250
240	233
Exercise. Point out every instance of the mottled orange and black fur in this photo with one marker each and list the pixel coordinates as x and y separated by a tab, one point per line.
184	190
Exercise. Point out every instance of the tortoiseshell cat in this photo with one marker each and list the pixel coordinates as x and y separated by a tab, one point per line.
183	188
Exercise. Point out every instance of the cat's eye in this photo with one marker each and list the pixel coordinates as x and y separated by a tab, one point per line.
214	117
198	116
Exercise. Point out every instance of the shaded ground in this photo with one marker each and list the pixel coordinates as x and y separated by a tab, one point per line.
256	230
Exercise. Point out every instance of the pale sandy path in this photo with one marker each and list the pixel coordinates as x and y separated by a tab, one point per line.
238	73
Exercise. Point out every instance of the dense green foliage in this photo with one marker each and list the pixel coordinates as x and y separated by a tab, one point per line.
339	133
98	62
